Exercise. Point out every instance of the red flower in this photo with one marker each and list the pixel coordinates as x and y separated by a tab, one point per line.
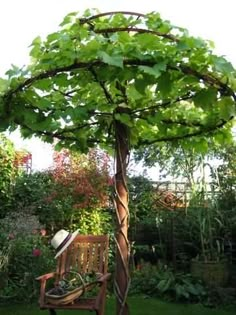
139	267
36	252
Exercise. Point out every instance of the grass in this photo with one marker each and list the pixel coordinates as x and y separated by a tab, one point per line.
138	306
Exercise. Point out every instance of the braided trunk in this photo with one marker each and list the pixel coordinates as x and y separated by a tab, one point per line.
122	279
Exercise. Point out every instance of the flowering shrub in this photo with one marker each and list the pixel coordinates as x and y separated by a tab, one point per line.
28	256
85	177
78	194
73	194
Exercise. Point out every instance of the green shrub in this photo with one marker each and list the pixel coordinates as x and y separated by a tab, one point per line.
8	172
163	282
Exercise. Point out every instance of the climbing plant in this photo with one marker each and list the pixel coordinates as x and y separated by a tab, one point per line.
120	80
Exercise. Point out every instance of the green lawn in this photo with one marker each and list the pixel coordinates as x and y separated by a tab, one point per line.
138	306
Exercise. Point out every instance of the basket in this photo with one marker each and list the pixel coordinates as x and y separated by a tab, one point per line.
70	296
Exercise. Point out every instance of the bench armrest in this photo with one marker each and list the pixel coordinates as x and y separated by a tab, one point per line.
43	279
104	277
46	276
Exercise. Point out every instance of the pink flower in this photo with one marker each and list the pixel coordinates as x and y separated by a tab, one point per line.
43	232
11	236
110	181
36	252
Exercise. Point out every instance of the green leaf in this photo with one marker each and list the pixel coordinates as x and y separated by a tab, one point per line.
134	133
205	97
232	82
68	19
44	124
182	45
227	108
165	27
4	125
164	285
111	60
53	37
61	79
44	84
26	133
44	103
37	41
164	84
156	70
125	119
193	42
200	145
91	49
4	84
35	52
124	37
140	85
81	113
222	65
14	71
154	20
181	291
132	93
146	41
219	138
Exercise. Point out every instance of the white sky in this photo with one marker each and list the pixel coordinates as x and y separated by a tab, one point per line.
23	20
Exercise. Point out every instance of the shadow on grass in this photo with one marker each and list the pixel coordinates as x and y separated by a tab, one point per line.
138	306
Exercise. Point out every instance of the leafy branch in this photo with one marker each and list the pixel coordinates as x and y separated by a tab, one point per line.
63	135
136	30
102	84
203	131
185	97
210	79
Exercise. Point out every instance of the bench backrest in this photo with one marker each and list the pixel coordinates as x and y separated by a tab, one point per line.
87	253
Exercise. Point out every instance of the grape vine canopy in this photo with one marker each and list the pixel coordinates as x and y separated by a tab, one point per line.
120	80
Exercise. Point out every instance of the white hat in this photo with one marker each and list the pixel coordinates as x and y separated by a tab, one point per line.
62	239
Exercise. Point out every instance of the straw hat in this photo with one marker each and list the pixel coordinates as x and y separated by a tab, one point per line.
61	240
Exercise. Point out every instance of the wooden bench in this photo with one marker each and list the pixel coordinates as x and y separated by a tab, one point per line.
86	254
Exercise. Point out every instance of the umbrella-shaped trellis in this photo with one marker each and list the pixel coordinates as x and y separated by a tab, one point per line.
120	80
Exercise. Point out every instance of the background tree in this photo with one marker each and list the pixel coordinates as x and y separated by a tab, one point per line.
226	171
119	81
8	172
176	160
224	179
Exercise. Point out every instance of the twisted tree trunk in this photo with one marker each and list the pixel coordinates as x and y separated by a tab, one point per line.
122	278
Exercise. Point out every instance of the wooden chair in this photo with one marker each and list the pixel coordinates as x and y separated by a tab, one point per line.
87	253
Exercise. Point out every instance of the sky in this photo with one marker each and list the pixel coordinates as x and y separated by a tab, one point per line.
23	20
